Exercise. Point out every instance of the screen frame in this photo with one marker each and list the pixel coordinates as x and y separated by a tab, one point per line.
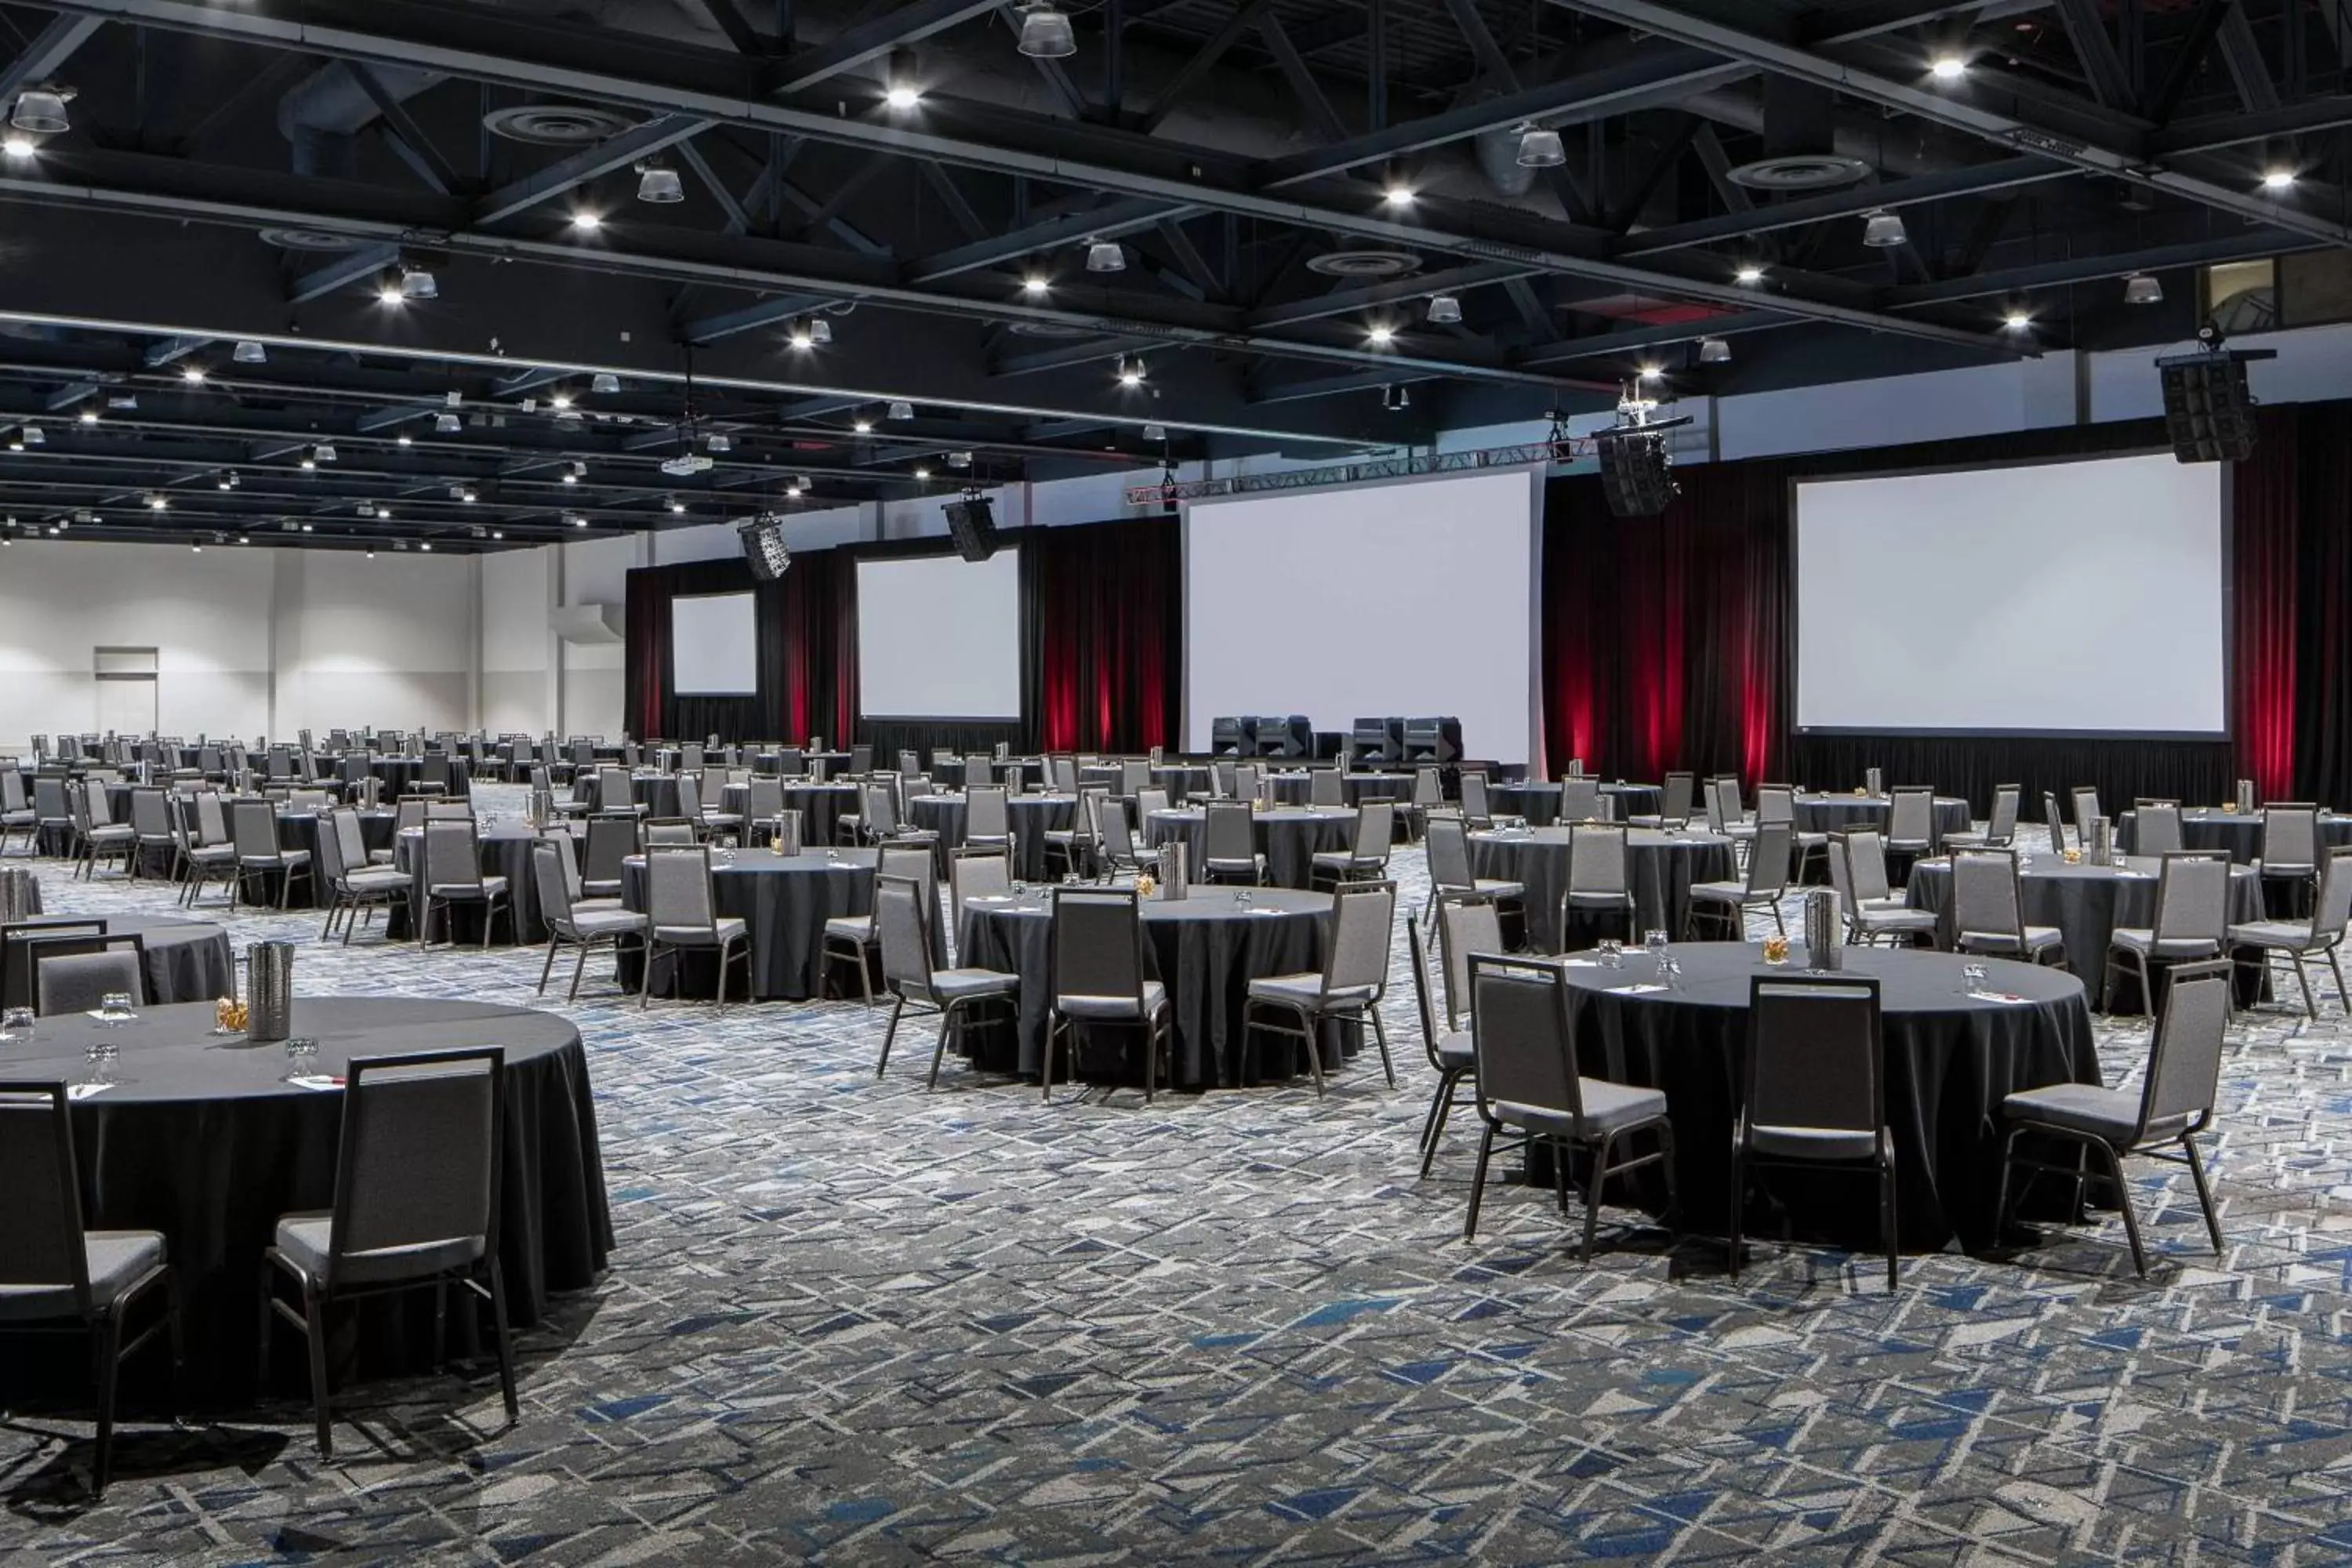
1537	476
945	549
759	636
1794	640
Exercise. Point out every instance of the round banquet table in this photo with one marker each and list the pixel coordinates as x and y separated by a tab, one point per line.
1295	788
203	1140
1031	817
1834	812
2237	832
399	772
1206	949
187	960
822	806
1182	781
1539	803
1013	772
1289	836
1950	1060
1663	865
504	850
785	899
2086	903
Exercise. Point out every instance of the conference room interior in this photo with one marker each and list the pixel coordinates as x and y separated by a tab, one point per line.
1304	779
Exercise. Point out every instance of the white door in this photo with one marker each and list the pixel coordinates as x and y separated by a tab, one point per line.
126	690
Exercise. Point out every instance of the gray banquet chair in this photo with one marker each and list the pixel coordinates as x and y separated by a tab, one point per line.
570	926
1989	912
453	875
1448	844
2290	849
68	982
1600	877
253	824
611	841
150	820
1100	975
1777	802
2175	1103
987	821
681	908
1367	855
2156	828
1229	843
352	886
1349	987
1449	1052
849	938
1523	1046
2320	937
1580	800
1325	787
904	908
2192	921
1727	904
1814	1092
1999	829
1468	924
1865	924
18	821
418	1182
57	1276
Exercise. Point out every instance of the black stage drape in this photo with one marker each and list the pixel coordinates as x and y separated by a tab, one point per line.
807	651
1102	611
1669	643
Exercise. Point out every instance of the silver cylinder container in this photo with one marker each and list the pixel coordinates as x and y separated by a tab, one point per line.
2103	842
1824	930
1874	781
269	991
20	895
1172	885
543	809
788	833
2246	796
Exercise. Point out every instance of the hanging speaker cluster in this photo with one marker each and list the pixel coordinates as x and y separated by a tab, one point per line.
972	524
2208	411
765	548
1637	473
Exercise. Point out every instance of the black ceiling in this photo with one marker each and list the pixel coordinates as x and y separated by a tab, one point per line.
255	171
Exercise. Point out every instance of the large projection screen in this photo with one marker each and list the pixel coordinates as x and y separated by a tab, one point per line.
2058	598
1413	600
940	637
714	640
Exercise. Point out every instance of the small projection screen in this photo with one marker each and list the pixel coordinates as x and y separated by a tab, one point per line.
2058	598
714	640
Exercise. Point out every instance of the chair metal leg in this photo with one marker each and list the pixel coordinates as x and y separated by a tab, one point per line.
1478	1182
314	1320
2310	1007
1887	1218
549	967
1592	1193
1738	1204
2204	1193
581	968
505	1341
952	1013
109	1333
2124	1202
1666	1165
645	976
1381	1034
890	1032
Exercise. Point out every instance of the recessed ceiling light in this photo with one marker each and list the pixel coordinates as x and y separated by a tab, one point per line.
1035	286
902	96
1382	334
2278	180
1748	273
1949	68
1399	195
194	374
587	222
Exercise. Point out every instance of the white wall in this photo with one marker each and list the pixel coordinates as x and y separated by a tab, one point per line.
387	642
518	649
596	572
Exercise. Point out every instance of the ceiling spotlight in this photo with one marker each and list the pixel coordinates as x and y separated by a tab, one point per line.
1445	310
497	534
41	109
1882	230
1130	372
447	424
227	482
721	442
89	416
923	472
902	410
195	550
16	441
1105	256
862	425
308	529
1395	399
245	539
33	436
371	554
959	460
426	545
1653	372
1399	195
159	502
1949	68
2277	180
1155	432
659	182
469	495
677	506
1382	334
326	452
587	222
416	280
18	144
1045	33
388	293
2142	289
1539	148
194	374
579	522
309	457
1035	286
1714	350
561	400
1748	273
574	472
810	331
404	440
605	381
2017	320
383	514
902	96
250	353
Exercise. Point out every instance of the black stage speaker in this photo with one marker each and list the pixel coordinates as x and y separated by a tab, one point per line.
763	547
973	523
1636	476
2207	412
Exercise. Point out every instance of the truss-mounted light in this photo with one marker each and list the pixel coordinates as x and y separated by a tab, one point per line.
1540	147
33	436
2143	289
1045	33
1884	230
416	280
19	145
902	409
1714	350
1105	256
659	182
42	109
721	442
1130	370
1445	311
447	424
605	381
250	353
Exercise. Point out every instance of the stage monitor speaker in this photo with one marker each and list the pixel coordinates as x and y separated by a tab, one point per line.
972	522
763	547
2207	411
1636	476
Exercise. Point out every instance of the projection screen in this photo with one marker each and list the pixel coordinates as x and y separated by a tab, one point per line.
940	636
2058	598
714	645
1409	599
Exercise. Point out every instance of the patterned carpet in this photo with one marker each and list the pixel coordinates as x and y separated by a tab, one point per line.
857	1323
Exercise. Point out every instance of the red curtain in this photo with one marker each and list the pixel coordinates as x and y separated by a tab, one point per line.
1102	607
814	610
2266	506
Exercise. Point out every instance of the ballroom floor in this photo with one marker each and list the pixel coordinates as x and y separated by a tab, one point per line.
859	1323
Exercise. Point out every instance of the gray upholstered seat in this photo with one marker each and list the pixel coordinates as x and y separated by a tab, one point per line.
1304	988
1608	1107
118	1259
2091	1108
960	984
306	1240
724	930
1103	1008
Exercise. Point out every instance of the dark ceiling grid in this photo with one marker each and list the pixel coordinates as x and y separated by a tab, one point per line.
1236	151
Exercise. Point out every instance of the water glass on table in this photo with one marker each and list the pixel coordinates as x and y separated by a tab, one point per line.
1972	979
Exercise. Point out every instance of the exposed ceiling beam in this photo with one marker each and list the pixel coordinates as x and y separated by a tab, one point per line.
46	53
1969	180
2249	246
872	38
2102	67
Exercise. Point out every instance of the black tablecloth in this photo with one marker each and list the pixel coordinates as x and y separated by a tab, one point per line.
2208	827
2086	903
1664	867
1013	772
1833	813
786	899
1289	836
1206	949
202	1140
1296	788
1182	781
187	960
399	772
504	851
1030	816
1950	1060
1539	802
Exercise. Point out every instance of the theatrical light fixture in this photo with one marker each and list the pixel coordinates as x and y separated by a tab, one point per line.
404	440
1653	373
923	472
1155	432
2143	289
33	436
2277	180
1884	230
159	502
383	514
677	506
810	331
426	545
659	182
605	381
959	460
226	482
388	292
1539	148
902	410
194	374
1395	399
1380	334
447	424
1748	273
1949	68
195	550
16	441
18	144
587	222
416	280
1045	33
326	452
560	400
247	352
41	109
309	457
1714	350
308	529
469	495
579	521
1105	256
497	534
862	425
1445	310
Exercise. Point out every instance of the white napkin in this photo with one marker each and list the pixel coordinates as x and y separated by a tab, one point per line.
1644	988
2011	997
99	1014
318	1080
85	1090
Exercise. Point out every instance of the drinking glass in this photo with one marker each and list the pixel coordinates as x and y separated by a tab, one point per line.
114	1008
1612	954
16	1024
300	1050
1670	968
101	1056
1654	944
1972	979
